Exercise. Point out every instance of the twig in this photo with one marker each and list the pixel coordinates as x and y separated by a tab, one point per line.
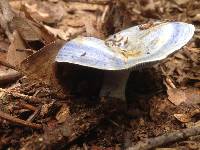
170	83
167	138
28	106
19	121
31	51
34	115
25	97
113	122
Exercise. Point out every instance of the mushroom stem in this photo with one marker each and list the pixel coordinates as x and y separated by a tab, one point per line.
114	84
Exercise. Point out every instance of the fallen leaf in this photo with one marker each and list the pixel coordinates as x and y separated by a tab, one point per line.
15	57
188	96
183	67
27	29
93	27
72	21
76	6
183	117
181	2
45	11
176	96
40	65
30	30
58	32
3	55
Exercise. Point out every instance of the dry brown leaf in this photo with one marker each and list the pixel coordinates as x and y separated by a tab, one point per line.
184	118
176	96
26	29
3	55
16	5
40	65
72	21
188	96
148	5
76	6
32	31
181	2
183	67
15	57
46	11
64	35
93	26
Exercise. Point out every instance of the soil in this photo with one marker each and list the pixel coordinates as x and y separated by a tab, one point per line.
64	108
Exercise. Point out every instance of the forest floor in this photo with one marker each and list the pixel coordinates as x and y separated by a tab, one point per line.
39	110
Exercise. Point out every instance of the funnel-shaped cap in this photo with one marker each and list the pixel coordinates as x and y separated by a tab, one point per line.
128	48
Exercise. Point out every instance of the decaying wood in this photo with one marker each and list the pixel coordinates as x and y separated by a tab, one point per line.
167	138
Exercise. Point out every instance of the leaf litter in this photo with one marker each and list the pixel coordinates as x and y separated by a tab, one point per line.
37	29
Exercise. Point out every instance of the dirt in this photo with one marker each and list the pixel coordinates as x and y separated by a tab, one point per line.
161	99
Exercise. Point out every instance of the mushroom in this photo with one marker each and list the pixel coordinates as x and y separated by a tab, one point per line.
132	48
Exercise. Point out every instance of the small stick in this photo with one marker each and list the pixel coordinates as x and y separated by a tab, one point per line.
34	115
28	106
19	121
26	50
170	83
166	138
25	97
